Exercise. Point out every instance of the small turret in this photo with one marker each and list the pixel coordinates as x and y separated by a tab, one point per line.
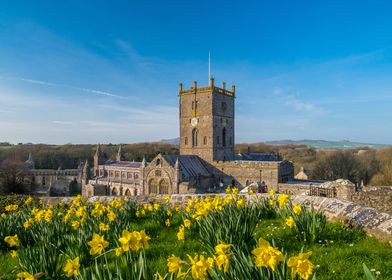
85	174
120	156
99	159
144	163
177	164
30	162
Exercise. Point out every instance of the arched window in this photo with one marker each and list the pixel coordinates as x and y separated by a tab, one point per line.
153	186
163	187
224	137
194	137
205	140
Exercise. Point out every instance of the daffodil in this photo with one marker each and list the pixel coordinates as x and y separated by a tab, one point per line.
167	223
297	209
222	248
200	266
97	244
266	255
222	261
290	222
25	276
187	223
13	253
133	240
271	192
174	265
283	199
13	241
119	251
28	223
240	203
103	227
301	266
167	199
71	267
75	225
111	216
181	233
28	200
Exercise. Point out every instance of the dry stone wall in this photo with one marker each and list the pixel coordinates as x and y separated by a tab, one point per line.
376	197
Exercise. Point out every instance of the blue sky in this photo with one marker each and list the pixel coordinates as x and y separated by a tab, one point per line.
108	71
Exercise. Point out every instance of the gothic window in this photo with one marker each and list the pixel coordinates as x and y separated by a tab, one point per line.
111	173
194	104
153	186
205	140
129	175
186	141
117	174
194	137
224	137
163	187
224	106
43	181
136	176
123	174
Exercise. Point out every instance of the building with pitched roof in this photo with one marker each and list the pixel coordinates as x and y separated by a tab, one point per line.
207	161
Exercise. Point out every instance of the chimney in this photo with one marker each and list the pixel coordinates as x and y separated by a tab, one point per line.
195	85
224	85
233	88
180	87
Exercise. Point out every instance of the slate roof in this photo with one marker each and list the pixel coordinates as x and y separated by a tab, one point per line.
258	156
190	165
133	164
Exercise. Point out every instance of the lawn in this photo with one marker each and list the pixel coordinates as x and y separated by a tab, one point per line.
49	238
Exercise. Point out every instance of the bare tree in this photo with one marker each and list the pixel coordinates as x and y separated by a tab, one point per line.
14	176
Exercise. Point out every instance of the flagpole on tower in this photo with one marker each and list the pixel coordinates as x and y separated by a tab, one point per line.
209	66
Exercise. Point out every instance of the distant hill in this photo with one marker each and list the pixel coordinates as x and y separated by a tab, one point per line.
323	144
174	141
317	144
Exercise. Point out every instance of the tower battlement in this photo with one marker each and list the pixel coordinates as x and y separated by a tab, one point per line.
210	88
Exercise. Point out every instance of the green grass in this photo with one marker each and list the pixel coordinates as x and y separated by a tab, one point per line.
339	255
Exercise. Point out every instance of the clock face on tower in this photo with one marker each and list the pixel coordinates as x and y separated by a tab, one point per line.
194	121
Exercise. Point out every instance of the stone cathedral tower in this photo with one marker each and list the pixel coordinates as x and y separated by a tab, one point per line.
207	122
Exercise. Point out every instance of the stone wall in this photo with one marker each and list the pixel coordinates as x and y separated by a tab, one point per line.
374	222
376	197
294	189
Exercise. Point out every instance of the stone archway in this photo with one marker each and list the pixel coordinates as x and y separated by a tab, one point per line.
128	192
114	191
153	186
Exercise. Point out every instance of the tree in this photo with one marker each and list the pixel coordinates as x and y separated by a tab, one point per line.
338	165
14	176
